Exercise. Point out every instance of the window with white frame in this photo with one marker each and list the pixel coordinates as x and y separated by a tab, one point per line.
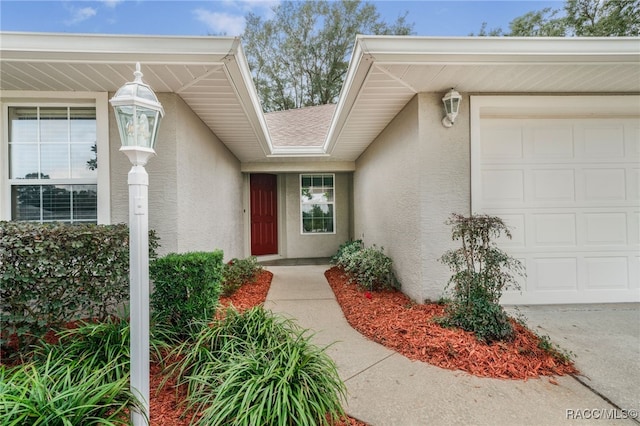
317	203
52	158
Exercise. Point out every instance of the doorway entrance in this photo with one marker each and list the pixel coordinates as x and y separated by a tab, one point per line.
264	214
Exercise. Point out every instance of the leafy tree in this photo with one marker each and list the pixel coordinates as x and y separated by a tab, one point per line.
603	17
542	23
596	18
300	56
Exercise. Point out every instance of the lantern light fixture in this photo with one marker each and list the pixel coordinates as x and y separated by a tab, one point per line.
138	114
451	101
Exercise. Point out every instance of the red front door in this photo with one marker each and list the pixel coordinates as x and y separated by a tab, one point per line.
264	214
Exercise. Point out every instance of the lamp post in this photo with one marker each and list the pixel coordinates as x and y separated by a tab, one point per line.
138	114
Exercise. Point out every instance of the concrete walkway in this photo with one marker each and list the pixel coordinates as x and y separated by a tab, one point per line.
385	388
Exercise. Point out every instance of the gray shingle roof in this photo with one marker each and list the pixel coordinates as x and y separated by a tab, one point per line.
306	126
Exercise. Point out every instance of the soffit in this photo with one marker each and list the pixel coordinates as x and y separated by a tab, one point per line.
208	73
386	72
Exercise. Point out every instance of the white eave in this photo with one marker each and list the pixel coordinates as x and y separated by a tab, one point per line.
387	71
209	73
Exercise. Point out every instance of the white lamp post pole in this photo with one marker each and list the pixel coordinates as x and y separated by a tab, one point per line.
139	290
138	114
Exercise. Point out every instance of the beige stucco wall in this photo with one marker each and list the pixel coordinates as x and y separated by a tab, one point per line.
445	176
195	185
387	194
295	245
406	184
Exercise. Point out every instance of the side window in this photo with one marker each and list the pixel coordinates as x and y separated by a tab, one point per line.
317	203
53	164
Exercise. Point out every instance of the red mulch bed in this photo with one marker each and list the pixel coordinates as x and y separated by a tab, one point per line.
393	320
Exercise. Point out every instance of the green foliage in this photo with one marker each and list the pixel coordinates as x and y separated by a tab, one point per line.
256	368
62	390
54	273
346	249
583	18
238	272
369	267
187	288
299	57
481	271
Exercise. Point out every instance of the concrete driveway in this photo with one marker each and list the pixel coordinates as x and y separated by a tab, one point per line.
605	339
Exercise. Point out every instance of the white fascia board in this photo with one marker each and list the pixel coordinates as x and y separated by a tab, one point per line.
450	50
357	72
114	48
237	70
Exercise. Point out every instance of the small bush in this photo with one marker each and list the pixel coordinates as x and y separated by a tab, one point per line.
54	273
481	272
187	288
369	267
238	272
256	368
346	249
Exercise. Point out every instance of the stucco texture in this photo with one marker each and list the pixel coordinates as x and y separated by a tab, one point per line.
195	185
406	184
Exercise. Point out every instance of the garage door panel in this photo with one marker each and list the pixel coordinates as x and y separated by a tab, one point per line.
502	143
633	189
554	229
605	229
603	142
553	185
569	189
516	224
555	274
503	186
606	272
551	141
604	184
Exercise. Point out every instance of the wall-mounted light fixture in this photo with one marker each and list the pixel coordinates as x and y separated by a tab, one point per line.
451	103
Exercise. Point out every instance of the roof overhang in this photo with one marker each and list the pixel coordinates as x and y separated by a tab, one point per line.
386	72
209	73
212	76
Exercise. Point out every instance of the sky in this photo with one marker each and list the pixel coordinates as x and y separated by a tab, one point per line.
226	17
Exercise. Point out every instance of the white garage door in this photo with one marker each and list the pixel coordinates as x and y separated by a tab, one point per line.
570	190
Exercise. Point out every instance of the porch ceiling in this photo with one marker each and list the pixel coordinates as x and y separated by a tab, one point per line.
209	74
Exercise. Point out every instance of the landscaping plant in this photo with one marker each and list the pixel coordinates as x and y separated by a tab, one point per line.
64	390
256	368
238	272
369	267
186	288
481	272
54	273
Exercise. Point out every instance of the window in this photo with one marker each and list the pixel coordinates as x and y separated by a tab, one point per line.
317	203
52	153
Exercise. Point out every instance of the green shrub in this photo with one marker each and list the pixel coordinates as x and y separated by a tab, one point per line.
64	391
481	271
54	273
256	368
369	267
238	272
345	250
187	288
